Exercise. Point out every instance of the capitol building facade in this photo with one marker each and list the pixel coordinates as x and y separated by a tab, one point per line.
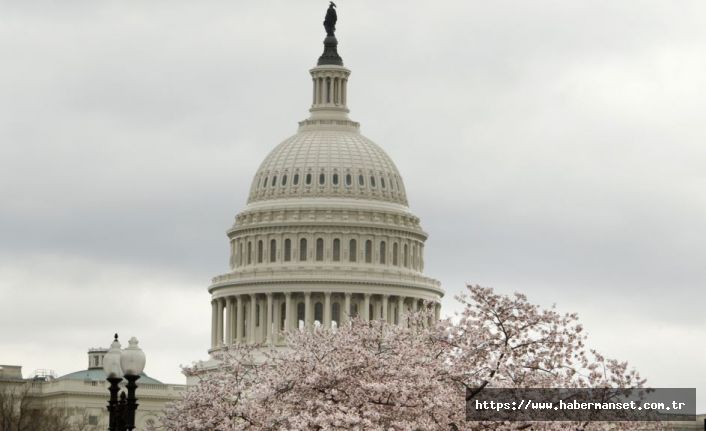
326	234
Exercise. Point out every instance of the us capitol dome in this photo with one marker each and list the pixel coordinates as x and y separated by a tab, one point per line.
326	234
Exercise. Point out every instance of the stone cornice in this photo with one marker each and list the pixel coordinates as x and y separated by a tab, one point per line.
318	275
293	228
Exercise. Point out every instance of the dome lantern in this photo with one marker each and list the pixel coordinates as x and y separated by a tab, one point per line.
330	78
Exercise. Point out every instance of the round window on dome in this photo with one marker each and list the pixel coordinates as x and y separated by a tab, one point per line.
322	179
308	179
284	180
372	181
349	179
335	179
295	180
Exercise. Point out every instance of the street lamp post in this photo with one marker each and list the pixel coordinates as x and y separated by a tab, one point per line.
119	364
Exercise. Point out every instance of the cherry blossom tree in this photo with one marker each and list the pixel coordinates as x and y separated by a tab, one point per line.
371	375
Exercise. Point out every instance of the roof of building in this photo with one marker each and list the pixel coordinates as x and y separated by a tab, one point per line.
97	374
328	163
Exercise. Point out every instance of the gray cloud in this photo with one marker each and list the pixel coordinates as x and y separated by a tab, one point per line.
550	148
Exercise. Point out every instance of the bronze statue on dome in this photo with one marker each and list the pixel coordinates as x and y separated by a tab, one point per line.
330	19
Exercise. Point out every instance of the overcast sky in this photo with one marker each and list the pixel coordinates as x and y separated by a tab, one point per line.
550	147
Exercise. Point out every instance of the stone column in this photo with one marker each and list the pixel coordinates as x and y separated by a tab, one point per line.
229	321
219	330
261	322
346	312
214	322
234	320
343	92
276	318
239	318
307	310
384	308
400	311
288	311
253	314
268	327
366	307
327	309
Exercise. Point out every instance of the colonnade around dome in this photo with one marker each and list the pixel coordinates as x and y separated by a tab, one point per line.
258	318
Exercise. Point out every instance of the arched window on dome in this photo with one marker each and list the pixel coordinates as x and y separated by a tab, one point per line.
302	249
394	254
382	182
320	249
349	180
322	179
382	252
264	183
319	313
249	252
284	179
353	250
308	179
372	181
274	181
295	180
287	250
368	251
361	180
240	253
335	179
405	256
259	251
273	250
336	250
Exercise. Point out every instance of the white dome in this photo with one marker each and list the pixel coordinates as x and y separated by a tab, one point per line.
326	235
336	162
